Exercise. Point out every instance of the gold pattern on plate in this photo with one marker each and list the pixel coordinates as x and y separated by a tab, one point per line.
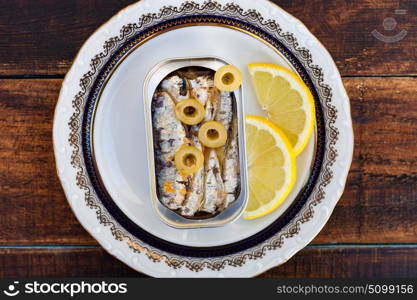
208	13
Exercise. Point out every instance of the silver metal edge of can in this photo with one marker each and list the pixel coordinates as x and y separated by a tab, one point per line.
171	218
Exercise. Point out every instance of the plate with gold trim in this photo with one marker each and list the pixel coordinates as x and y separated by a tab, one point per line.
99	135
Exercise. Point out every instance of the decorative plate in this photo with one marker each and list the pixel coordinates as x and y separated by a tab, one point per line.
99	135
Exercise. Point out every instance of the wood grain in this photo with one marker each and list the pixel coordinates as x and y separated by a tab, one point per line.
345	29
37	43
39	234
61	262
363	262
310	262
33	205
379	204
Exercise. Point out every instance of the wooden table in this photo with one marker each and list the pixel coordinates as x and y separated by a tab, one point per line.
373	230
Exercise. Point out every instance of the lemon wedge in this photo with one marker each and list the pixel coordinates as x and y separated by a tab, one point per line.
287	100
271	166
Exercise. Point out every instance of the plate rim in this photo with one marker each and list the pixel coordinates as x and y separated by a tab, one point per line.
120	16
91	105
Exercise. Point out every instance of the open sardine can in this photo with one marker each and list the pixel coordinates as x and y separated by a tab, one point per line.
200	219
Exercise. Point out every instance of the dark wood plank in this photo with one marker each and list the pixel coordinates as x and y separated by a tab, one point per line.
71	262
378	205
349	262
345	29
310	262
35	42
43	37
32	202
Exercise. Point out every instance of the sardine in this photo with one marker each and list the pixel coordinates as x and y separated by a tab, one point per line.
169	136
214	194
195	192
170	133
211	106
231	170
177	87
224	116
202	89
214	187
171	184
224	113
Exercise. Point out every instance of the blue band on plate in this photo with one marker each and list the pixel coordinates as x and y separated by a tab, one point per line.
178	249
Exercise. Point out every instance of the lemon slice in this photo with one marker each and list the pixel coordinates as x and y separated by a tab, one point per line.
287	100
271	166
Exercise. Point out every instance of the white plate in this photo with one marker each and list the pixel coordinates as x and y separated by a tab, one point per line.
119	129
118	138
